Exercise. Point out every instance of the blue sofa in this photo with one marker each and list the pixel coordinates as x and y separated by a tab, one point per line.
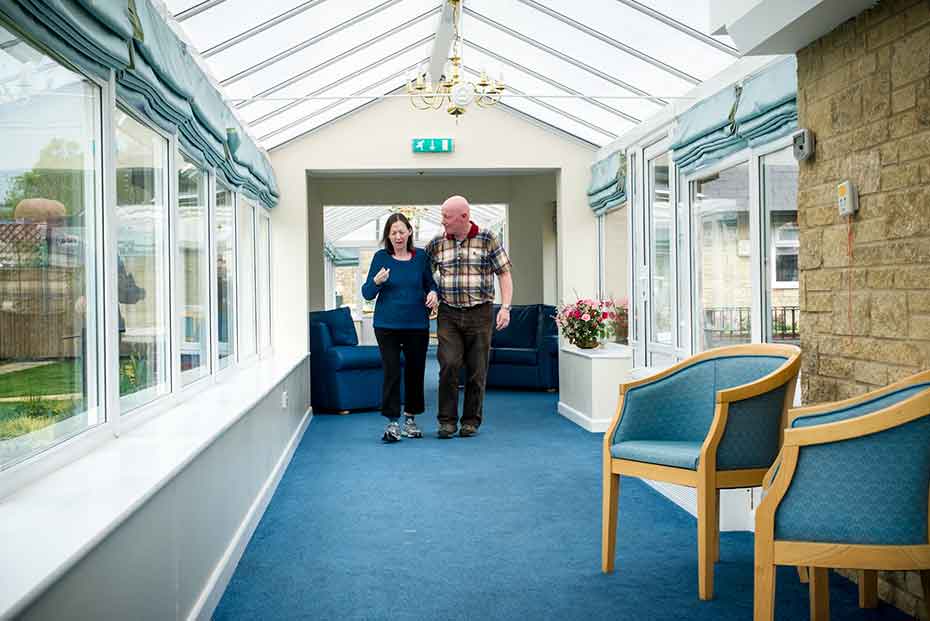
526	353
343	374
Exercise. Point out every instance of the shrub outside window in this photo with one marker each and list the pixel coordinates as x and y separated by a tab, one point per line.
50	175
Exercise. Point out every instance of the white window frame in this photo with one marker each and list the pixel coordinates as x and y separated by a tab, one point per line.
263	215
103	354
139	402
46	460
251	357
232	365
666	352
794	244
184	384
752	156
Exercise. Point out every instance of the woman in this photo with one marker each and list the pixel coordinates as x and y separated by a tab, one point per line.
401	278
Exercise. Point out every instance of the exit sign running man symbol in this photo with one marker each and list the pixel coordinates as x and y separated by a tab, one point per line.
432	145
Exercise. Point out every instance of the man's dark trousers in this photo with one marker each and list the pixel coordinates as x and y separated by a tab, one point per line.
464	341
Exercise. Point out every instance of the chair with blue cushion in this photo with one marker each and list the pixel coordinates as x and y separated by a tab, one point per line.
850	489
344	375
712	422
525	354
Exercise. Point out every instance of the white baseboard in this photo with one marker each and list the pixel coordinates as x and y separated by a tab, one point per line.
210	596
583	420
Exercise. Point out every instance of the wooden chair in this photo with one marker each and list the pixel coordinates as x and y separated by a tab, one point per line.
712	422
851	488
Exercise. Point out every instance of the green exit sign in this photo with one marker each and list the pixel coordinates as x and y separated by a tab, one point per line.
432	145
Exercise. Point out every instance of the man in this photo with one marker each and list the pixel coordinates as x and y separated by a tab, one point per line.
466	259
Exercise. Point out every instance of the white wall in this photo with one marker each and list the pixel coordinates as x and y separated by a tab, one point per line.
377	140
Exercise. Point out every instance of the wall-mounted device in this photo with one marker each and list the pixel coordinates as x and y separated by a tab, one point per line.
847	198
803	142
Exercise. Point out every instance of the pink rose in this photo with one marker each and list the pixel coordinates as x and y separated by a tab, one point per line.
586	317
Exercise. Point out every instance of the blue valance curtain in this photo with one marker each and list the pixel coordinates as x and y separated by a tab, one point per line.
155	75
608	183
761	109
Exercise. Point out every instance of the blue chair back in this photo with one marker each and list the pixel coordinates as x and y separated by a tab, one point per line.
869	490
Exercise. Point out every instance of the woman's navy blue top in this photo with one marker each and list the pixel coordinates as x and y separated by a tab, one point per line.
401	301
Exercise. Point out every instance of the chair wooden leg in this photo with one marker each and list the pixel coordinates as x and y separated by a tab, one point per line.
820	593
707	517
868	588
803	574
925	581
609	520
764	594
716	525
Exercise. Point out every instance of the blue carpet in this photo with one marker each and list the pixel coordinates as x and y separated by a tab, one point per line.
505	525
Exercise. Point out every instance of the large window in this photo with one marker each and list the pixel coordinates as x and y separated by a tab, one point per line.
225	231
193	270
780	198
264	282
50	306
142	261
722	253
246	265
660	242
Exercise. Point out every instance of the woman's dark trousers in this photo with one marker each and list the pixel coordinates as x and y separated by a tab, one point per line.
413	343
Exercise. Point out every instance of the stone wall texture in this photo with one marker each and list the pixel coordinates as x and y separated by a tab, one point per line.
864	90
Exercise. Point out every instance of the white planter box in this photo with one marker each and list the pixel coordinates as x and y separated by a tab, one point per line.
589	383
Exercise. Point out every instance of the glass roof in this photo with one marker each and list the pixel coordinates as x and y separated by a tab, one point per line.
593	69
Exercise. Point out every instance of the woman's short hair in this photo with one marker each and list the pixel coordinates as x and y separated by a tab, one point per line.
386	236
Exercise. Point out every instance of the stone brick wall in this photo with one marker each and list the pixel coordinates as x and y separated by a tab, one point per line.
864	90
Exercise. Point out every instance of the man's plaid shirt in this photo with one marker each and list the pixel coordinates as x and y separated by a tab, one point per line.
466	269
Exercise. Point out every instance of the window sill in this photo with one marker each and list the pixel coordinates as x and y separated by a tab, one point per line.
49	525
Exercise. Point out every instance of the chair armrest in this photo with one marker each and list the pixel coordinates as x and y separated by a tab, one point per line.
772	472
320	337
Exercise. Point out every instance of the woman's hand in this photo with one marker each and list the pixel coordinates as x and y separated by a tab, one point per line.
382	276
432	300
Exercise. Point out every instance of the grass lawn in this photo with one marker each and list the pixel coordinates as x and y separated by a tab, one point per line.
57	378
14	424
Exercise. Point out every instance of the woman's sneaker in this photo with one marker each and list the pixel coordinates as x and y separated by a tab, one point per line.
410	428
391	432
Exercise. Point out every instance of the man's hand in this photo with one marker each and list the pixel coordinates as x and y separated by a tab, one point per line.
382	276
432	300
503	318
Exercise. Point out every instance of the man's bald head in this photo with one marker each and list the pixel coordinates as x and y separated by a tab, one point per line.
456	216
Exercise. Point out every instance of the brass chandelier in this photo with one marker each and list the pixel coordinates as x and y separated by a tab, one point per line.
451	91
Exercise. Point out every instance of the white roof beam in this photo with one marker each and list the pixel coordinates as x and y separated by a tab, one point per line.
306	43
551	82
341	80
358	48
565	57
251	32
197	9
337	102
655	62
681	27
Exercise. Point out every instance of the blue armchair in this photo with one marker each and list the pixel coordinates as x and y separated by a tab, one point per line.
343	374
712	422
526	353
851	488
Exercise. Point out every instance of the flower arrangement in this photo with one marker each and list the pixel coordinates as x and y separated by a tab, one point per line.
586	322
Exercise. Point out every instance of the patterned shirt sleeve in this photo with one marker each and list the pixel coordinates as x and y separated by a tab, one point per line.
497	256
